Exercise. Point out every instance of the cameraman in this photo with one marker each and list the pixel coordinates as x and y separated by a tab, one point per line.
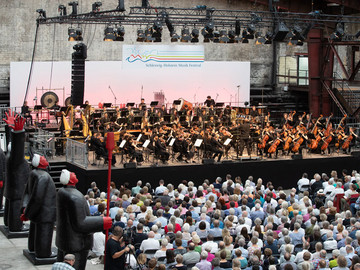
115	250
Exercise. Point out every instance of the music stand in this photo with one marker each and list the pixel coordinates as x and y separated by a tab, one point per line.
167	118
146	144
227	141
63	109
177	102
83	106
154	103
38	107
107	105
131	104
139	137
219	104
172	141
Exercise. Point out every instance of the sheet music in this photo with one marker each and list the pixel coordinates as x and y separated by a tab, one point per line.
227	141
146	143
172	142
198	142
122	143
139	137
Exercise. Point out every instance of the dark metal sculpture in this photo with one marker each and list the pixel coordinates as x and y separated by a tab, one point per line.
74	225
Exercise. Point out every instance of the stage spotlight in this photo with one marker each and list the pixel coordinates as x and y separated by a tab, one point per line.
185	35
339	33
195	35
216	38
120	33
157	31
357	34
42	13
268	38
249	31
260	40
223	36
74	7
232	36
96	7
62	10
72	34
148	35
208	31
174	37
140	35
109	34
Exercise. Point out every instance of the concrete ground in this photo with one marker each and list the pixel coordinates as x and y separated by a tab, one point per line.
11	255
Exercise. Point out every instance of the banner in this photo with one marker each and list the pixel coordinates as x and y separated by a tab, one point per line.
163	56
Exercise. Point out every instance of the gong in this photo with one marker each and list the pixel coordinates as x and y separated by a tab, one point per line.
49	99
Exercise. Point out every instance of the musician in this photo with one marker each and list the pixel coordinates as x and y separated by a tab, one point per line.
245	139
209	101
57	113
134	152
130	118
163	111
173	110
99	145
254	113
87	109
199	110
160	149
142	105
25	112
105	122
212	111
284	120
216	147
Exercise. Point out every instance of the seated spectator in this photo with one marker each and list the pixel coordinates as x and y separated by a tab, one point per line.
191	256
204	264
179	263
170	259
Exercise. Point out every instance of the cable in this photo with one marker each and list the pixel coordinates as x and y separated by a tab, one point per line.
52	58
32	61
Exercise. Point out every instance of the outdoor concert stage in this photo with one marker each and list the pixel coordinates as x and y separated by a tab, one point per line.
283	172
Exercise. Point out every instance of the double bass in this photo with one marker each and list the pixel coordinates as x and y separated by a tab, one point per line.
348	140
315	142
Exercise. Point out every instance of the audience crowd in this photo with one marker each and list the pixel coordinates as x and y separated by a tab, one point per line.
233	224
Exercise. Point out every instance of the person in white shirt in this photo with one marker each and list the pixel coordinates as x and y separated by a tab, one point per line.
330	243
162	252
149	243
329	187
337	190
98	244
161	188
302	182
213	246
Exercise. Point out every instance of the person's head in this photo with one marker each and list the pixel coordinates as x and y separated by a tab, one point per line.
179	258
117	232
223	255
170	256
142	258
152	263
341	260
70	259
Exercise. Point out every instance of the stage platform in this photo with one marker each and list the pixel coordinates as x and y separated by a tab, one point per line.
283	171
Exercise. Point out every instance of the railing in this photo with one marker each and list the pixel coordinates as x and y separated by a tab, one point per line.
43	143
350	96
77	153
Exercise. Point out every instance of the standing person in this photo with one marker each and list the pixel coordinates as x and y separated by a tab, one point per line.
25	112
74	225
2	176
115	250
209	101
245	139
67	264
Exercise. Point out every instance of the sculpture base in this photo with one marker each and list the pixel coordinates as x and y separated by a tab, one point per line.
41	261
2	212
21	234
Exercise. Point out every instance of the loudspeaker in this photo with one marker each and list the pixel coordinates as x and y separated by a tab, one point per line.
130	165
297	156
78	74
281	31
208	161
355	153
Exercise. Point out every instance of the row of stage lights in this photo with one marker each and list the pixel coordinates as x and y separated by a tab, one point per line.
295	36
210	33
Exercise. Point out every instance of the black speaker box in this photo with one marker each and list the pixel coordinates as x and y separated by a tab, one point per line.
208	161
297	156
355	153
130	165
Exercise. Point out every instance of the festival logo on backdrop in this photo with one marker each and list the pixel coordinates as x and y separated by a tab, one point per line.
163	56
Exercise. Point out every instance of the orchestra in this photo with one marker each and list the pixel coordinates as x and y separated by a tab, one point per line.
186	132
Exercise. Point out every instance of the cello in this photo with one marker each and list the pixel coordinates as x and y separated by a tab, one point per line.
274	145
315	142
348	140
